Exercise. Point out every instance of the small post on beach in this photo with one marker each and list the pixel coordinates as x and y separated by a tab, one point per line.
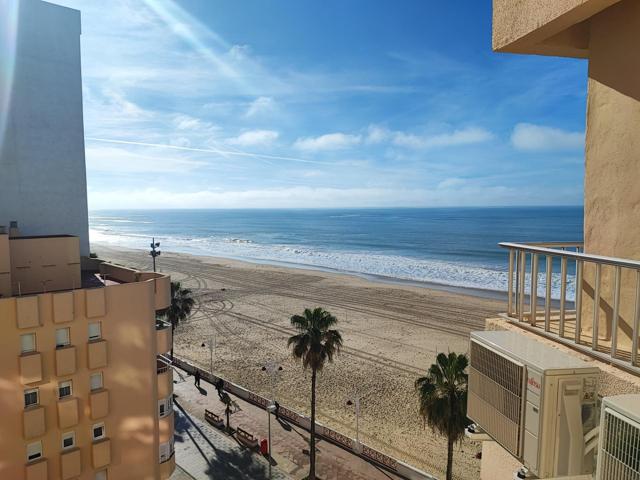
356	401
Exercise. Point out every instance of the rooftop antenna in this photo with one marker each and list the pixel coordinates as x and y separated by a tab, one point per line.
154	252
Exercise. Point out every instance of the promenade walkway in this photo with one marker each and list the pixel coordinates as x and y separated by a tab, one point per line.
290	443
203	452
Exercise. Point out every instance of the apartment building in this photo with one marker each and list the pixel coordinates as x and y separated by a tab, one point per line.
86	390
598	321
42	160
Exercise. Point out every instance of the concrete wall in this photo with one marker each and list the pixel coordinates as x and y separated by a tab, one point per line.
128	326
42	164
44	264
612	191
544	27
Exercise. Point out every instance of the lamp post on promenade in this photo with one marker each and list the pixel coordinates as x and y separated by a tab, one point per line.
212	344
356	402
272	369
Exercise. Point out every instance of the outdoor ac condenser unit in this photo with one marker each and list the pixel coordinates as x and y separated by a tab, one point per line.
619	444
534	400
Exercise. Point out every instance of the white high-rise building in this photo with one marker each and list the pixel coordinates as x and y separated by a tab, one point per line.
42	163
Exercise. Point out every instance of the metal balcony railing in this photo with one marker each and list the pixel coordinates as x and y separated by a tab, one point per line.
552	297
162	366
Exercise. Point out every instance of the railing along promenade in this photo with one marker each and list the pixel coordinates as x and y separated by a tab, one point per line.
534	305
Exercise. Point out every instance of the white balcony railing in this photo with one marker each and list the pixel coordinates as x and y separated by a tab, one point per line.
555	298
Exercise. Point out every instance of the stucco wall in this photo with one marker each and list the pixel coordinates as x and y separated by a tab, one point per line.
612	191
546	27
128	327
42	163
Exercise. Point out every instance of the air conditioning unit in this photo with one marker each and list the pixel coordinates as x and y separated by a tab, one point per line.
537	402
619	444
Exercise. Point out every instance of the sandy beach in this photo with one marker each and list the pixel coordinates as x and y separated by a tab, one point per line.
391	335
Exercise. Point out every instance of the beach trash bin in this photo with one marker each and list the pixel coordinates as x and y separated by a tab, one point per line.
264	446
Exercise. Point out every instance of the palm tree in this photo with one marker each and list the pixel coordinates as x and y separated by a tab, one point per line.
443	399
314	344
181	304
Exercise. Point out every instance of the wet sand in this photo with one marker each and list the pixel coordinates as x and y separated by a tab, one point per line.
391	332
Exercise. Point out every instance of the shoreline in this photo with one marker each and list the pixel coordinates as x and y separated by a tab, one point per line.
470	291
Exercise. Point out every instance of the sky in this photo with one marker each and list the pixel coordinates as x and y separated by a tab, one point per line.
333	103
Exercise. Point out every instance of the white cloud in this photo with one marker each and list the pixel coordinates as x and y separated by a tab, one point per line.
330	141
254	138
261	106
453	182
527	136
464	136
187	122
377	134
118	161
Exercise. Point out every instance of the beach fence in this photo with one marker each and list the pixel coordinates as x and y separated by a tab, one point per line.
365	452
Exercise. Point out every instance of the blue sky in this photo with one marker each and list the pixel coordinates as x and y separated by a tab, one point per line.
285	103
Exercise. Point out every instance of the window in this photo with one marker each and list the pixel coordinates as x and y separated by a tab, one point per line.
34	451
62	337
165	406
95	331
31	397
101	475
28	342
68	440
96	381
65	389
97	431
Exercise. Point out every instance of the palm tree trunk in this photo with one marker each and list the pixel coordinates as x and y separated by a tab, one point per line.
449	459
312	443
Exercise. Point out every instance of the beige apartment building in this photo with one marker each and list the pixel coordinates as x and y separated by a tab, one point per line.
600	323
86	390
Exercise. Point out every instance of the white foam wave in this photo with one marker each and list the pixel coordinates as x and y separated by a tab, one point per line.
455	274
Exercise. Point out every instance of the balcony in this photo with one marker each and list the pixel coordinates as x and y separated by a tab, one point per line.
97	354
33	422
165	378
65	360
67	412
70	464
101	453
99	401
588	302
163	337
31	367
37	470
167	467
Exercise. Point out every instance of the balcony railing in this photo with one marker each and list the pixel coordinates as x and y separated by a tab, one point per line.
162	366
588	302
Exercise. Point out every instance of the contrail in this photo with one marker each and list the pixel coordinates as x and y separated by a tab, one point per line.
211	150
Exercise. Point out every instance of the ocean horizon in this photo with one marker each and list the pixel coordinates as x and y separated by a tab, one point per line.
447	246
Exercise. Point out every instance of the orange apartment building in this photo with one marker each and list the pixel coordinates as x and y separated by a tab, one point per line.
85	391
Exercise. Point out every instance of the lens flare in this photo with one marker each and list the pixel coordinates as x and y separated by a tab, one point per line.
8	35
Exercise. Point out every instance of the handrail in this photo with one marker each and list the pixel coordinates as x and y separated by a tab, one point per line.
539	312
534	248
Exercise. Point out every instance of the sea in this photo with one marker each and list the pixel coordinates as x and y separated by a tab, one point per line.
445	247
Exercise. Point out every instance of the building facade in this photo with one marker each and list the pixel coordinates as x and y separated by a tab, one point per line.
86	390
601	322
42	161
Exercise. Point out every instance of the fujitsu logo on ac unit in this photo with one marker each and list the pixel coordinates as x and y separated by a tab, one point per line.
534	383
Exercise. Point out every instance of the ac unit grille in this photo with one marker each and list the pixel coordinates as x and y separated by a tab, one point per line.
495	396
619	448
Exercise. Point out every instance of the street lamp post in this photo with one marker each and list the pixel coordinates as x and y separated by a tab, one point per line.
356	400
154	252
272	369
211	342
